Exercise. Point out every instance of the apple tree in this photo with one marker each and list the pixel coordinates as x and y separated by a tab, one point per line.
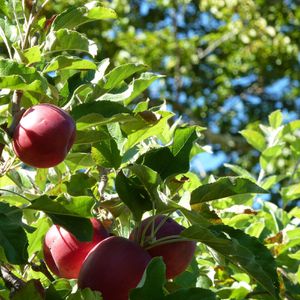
98	199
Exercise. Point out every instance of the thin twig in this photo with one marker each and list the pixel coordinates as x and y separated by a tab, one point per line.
33	16
17	21
42	269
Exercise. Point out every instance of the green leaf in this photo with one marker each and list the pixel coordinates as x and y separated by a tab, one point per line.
85	294
33	289
92	120
275	119
80	206
152	282
35	239
80	184
290	193
172	160
141	84
90	136
120	73
64	39
16	76
240	171
12	235
99	74
192	294
63	62
133	195
4	8
225	187
106	154
32	55
242	250
106	109
269	154
254	138
150	130
74	17
81	228
77	161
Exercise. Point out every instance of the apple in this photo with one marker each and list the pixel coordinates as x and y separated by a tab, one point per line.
44	136
114	267
64	254
159	235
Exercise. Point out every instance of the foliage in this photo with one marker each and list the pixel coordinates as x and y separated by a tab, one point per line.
131	157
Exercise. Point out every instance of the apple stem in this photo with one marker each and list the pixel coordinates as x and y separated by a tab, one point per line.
168	240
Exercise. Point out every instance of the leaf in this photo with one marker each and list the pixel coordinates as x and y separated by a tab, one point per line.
106	154
63	62
149	130
85	294
269	154
99	74
240	171
80	206
80	184
33	289
242	250
81	228
133	195
74	17
192	294
254	138
90	136
152	282
172	160
141	84
16	76
35	239
32	55
106	109
290	193
77	161
12	235
92	120
225	187
275	119
118	94
120	73
65	39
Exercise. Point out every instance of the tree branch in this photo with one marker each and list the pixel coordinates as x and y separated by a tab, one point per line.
12	281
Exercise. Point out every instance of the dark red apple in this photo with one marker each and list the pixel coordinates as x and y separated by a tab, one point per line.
64	254
159	235
44	136
114	267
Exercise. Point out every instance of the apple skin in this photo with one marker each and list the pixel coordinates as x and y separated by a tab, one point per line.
114	267
177	255
44	136
64	254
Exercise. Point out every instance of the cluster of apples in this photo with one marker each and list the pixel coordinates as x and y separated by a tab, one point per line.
114	265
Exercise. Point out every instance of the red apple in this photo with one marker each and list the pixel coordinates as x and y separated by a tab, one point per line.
114	267
44	136
64	254
177	255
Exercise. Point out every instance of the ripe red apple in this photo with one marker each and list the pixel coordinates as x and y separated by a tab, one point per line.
176	254
64	254
44	136
114	267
